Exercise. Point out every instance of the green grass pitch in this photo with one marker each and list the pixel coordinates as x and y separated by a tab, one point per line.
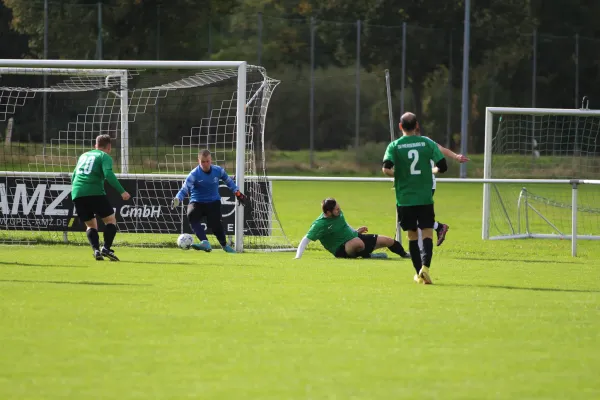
505	319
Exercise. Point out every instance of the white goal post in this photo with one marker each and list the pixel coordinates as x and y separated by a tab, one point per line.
191	105
542	168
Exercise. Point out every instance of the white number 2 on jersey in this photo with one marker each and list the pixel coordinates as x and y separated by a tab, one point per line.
414	155
86	163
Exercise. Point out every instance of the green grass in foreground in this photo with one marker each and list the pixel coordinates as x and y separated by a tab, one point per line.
509	319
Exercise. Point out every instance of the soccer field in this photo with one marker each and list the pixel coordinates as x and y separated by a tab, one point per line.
505	319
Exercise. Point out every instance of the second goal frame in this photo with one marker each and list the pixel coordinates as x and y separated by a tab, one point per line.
528	144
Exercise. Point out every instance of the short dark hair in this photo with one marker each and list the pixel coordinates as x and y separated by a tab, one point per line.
328	204
204	153
408	121
102	141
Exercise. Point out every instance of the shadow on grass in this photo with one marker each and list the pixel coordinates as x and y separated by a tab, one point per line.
75	282
519	261
157	263
20	264
534	289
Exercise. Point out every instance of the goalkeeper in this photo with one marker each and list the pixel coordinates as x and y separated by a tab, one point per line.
89	196
202	185
341	240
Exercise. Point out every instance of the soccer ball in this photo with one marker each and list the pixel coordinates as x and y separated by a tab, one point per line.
184	241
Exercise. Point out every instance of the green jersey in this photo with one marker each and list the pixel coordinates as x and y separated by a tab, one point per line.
331	232
411	156
93	168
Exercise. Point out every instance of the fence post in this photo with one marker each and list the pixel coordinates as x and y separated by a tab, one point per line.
158	98
576	70
403	77
464	123
259	39
357	109
45	96
534	69
312	91
208	97
449	101
99	40
533	93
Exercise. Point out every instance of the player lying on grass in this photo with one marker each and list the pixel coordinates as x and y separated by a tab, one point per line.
89	197
341	240
202	185
440	228
408	161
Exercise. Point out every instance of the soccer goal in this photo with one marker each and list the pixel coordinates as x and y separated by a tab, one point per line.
160	114
555	155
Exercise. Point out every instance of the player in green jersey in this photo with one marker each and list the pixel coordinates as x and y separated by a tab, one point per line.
89	197
408	161
341	240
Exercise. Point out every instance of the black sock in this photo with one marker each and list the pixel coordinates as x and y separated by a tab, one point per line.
439	226
93	238
363	254
415	254
220	235
110	231
427	251
397	248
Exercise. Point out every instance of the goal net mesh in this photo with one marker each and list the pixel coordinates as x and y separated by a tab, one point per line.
544	147
49	117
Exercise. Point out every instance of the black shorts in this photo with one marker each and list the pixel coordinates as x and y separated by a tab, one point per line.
369	240
89	207
212	212
413	217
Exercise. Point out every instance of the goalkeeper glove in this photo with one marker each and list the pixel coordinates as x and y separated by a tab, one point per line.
175	203
241	198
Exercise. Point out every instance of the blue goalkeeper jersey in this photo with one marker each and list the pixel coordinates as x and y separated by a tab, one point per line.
203	187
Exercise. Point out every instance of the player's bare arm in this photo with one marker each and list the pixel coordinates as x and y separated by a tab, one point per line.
450	154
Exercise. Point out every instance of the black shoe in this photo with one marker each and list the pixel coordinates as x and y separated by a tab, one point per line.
406	255
108	253
441	233
98	255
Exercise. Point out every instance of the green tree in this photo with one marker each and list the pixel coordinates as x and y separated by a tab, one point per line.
130	28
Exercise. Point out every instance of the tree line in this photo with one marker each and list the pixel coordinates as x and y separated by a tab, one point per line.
523	53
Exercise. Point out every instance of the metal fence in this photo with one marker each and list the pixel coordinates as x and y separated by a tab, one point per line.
332	94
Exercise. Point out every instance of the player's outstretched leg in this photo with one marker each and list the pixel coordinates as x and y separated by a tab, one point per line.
441	231
198	229
393	245
214	221
195	212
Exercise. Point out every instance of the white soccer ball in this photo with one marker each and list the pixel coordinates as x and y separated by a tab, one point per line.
184	241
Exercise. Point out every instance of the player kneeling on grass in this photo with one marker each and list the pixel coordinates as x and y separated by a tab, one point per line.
202	185
341	240
89	197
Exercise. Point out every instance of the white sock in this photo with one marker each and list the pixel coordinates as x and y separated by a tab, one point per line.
435	225
420	239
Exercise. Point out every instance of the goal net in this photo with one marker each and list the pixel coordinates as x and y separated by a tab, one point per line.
160	115
550	150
